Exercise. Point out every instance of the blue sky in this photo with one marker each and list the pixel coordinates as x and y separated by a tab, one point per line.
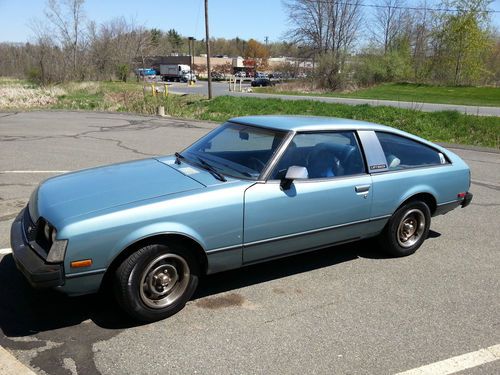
228	18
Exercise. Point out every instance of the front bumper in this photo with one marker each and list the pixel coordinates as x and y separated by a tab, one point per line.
39	273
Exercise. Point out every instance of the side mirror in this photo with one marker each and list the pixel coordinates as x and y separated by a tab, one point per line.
293	172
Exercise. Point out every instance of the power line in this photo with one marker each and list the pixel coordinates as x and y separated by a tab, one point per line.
403	7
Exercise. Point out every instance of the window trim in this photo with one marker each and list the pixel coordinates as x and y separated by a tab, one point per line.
291	135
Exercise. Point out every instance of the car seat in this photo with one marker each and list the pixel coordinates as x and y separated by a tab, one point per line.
322	162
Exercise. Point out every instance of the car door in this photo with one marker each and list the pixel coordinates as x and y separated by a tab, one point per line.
331	206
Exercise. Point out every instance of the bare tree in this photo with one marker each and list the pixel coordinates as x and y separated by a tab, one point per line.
388	22
328	27
324	25
421	34
67	17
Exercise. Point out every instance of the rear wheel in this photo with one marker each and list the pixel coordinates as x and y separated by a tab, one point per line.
407	229
156	281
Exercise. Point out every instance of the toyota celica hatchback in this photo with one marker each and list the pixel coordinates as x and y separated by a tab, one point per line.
254	189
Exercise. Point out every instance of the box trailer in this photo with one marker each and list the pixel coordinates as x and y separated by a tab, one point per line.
175	72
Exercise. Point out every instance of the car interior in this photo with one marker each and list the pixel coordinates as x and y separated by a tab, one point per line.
322	160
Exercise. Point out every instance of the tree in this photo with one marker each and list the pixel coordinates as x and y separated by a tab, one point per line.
67	16
156	35
325	25
175	40
388	24
461	41
329	27
256	50
421	38
493	62
258	53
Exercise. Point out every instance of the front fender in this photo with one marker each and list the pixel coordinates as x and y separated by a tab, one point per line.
166	227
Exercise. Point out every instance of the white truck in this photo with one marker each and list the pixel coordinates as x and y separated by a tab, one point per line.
176	72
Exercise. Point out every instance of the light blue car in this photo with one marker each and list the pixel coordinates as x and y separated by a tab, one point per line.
254	189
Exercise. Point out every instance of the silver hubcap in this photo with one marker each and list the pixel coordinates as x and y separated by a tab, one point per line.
411	228
164	280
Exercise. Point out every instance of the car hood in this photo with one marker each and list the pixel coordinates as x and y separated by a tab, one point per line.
78	193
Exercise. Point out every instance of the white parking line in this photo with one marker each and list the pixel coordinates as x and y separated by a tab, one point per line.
458	363
33	172
9	365
5	251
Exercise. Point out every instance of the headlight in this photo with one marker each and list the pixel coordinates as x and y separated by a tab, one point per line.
57	251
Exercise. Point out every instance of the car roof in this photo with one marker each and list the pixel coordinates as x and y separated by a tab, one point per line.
307	123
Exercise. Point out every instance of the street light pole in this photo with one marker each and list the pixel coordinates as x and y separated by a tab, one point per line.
207	38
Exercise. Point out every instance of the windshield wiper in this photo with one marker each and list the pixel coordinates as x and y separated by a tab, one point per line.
211	169
178	158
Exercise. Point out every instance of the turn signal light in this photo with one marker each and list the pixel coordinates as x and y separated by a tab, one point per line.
81	263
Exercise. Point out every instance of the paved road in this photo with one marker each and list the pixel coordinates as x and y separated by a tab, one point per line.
344	310
220	88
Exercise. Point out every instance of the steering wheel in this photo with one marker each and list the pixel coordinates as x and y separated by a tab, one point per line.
256	164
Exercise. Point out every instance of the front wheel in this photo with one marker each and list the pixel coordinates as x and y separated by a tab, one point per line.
156	281
407	229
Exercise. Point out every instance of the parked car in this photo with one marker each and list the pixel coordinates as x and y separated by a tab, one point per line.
217	76
254	189
261	82
146	74
240	74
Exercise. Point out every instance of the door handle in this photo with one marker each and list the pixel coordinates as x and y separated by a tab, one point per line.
362	188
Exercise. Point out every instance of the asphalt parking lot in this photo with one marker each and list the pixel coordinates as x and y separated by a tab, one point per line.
342	310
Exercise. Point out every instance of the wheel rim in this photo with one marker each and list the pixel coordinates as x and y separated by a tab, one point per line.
164	281
411	228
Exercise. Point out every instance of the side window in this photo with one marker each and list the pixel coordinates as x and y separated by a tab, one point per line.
402	152
323	154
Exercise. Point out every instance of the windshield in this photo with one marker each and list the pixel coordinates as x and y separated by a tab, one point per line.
235	150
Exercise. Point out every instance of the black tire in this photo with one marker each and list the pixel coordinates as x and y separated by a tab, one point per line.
407	229
156	281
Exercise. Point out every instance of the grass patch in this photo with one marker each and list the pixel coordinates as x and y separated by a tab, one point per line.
447	126
407	92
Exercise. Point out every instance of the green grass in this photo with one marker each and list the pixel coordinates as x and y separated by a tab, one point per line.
409	92
81	101
8	81
446	126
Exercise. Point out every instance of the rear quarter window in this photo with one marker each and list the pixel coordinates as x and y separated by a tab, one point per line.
403	153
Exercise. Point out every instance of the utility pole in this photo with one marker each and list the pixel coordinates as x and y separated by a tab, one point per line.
207	38
266	39
191	53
